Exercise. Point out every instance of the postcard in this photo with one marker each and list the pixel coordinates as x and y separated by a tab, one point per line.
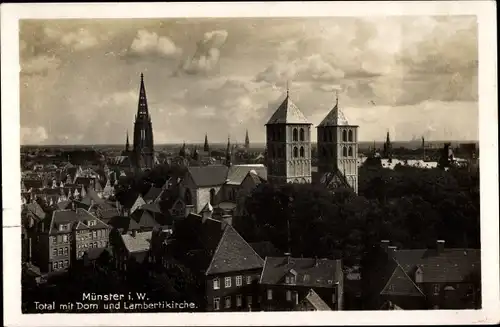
250	163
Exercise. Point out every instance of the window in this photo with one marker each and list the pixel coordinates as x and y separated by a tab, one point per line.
350	136
289	295
302	134
54	240
344	151
212	196
59	238
66	251
436	289
302	152
91	245
344	136
239	280
269	294
287	280
95	244
325	152
54	265
227	301
60	251
216	283
295	152
54	252
238	300
66	263
216	303
227	282
306	278
249	300
350	152
187	197
249	279
65	239
295	135
330	136
94	234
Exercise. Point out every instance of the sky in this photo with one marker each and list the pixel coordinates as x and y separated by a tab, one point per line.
411	76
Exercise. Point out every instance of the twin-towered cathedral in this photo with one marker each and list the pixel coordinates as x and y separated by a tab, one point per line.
289	145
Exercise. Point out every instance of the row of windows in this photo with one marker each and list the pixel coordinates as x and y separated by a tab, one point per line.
95	234
228	302
280	152
60	239
297	135
60	251
347	136
98	244
228	281
346	152
60	264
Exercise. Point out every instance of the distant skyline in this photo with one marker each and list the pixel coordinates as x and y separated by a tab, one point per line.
413	76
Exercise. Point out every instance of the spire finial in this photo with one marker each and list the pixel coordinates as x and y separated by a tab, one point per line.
142	76
337	97
287	88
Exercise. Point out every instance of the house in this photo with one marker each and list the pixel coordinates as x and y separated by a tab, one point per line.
132	251
225	263
437	278
32	215
286	281
90	233
312	302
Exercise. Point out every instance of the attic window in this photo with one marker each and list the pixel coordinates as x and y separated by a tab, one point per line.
306	278
92	223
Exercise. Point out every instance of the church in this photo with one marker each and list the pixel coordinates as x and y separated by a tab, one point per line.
141	155
289	148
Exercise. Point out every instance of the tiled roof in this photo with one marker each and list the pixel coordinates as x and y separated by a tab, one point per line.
334	179
123	223
334	118
36	209
152	194
128	199
315	300
288	113
206	176
310	272
401	284
151	207
139	243
265	249
233	254
64	205
62	217
84	216
237	173
91	197
145	219
448	265
33	183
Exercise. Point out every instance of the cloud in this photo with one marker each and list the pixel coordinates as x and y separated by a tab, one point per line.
39	65
33	135
78	40
149	43
310	68
207	53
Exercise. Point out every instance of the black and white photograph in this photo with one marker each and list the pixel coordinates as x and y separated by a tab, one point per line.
241	163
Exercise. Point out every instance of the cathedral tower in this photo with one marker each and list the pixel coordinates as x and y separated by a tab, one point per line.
288	135
247	142
143	132
338	150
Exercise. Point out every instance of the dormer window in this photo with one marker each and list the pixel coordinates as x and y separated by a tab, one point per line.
419	276
92	223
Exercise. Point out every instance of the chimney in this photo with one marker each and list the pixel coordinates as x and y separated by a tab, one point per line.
384	244
288	257
439	246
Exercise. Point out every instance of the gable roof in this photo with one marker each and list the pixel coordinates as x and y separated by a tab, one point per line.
62	217
334	179
124	223
152	194
237	173
205	176
288	113
401	284
36	209
84	216
310	272
144	219
233	254
315	300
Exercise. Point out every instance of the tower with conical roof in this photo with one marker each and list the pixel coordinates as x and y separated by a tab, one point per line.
288	135
127	144
206	147
247	142
387	146
338	150
143	132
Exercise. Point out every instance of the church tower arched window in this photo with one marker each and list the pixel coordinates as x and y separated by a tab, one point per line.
302	134
295	152
295	135
344	151
350	151
344	136
302	152
350	136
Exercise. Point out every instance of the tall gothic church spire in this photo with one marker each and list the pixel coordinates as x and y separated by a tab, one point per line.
228	152
247	142
127	144
206	148
143	132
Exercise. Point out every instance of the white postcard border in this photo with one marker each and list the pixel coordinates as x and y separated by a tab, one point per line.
485	11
